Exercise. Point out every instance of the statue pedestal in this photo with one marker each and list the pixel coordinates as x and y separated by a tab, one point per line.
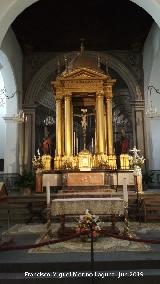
39	187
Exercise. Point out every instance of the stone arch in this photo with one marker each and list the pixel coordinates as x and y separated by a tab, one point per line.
8	129
10	85
10	9
50	67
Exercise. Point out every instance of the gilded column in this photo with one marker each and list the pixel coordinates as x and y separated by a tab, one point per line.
58	126
105	133
72	126
109	124
62	129
100	122
68	125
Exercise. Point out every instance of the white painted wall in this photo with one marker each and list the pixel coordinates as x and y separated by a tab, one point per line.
151	64
2	113
12	76
11	60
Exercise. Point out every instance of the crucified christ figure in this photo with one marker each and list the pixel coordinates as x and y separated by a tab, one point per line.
84	123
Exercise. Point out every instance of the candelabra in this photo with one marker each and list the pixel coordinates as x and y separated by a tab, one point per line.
151	111
49	120
20	117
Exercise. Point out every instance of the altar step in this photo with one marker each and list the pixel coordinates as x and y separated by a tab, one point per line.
86	189
19	208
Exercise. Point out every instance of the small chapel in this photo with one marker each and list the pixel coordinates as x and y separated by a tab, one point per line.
79	140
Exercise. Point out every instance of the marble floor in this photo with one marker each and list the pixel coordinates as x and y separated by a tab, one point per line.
113	257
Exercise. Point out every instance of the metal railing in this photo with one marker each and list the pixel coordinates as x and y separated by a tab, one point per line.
9	180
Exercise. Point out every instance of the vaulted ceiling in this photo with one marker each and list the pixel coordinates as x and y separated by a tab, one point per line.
51	25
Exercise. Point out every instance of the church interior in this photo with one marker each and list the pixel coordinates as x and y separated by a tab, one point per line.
79	119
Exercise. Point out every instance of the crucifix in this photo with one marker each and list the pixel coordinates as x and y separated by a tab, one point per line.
135	152
84	124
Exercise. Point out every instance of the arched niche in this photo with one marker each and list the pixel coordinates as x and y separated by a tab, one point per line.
38	82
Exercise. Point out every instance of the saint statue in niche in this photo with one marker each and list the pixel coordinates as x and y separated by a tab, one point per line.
124	142
46	145
121	147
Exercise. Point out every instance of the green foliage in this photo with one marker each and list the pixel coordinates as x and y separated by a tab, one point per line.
27	179
147	178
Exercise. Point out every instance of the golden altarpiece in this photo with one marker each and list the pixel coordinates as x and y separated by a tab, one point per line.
83	84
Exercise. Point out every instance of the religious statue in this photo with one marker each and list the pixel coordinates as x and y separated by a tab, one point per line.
46	145
117	147
84	119
84	123
124	145
124	142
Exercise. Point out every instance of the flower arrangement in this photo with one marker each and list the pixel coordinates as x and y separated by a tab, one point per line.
38	163
102	163
67	165
86	222
136	161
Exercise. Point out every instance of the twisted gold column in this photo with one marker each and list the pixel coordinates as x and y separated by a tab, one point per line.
58	126
68	126
100	122
109	125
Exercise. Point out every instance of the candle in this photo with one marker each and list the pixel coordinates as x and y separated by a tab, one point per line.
48	193
38	152
74	143
125	191
77	144
95	139
92	145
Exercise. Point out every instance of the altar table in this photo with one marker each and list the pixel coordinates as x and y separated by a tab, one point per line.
77	206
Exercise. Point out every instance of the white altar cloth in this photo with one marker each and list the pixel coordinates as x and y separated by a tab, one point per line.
76	206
